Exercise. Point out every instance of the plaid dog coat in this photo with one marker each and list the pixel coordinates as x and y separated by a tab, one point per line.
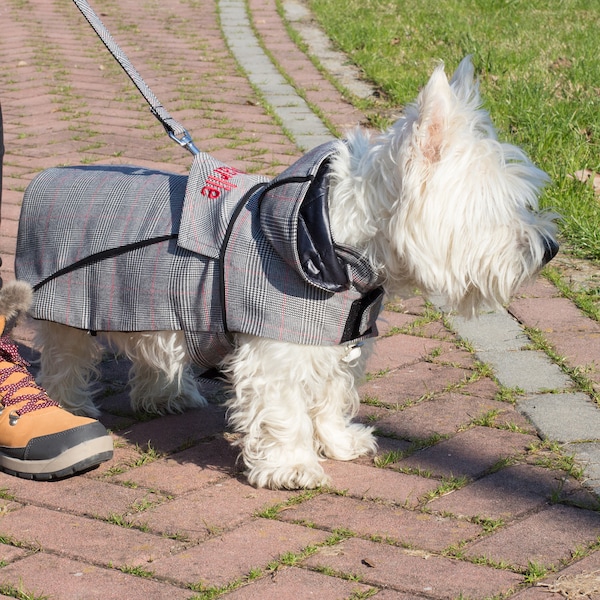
120	248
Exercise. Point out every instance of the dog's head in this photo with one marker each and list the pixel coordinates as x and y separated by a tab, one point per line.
464	218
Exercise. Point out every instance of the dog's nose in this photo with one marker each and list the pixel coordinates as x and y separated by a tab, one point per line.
550	249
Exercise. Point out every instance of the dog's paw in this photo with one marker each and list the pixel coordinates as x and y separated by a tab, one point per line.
354	441
151	401
292	477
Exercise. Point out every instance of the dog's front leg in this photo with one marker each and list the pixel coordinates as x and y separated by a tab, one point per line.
294	405
270	408
336	401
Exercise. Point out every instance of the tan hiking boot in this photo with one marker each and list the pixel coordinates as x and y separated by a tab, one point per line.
39	439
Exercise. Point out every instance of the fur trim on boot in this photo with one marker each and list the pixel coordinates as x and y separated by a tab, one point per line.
15	297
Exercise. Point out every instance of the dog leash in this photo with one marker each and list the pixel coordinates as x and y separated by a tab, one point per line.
174	129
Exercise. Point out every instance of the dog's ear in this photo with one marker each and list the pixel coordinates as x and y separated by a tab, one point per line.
464	84
434	107
439	104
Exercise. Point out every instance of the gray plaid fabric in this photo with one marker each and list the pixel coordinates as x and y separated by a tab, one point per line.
114	248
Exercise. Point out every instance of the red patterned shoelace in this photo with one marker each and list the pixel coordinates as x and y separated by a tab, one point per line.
35	401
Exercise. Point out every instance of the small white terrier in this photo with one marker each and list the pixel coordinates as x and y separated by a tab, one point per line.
435	203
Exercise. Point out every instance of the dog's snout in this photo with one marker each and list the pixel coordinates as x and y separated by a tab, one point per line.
550	249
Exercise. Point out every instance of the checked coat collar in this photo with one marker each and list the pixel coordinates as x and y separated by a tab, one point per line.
119	248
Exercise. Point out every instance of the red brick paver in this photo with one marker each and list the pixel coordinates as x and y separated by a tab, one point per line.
416	572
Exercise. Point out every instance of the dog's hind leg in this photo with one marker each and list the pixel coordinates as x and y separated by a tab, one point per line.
68	363
161	377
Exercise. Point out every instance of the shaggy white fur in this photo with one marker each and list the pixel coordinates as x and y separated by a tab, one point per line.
161	378
436	203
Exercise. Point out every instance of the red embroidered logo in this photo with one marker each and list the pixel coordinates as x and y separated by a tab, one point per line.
219	181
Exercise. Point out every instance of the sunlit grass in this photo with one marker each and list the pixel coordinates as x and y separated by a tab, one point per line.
539	70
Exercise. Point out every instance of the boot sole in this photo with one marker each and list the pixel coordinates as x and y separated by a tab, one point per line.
82	457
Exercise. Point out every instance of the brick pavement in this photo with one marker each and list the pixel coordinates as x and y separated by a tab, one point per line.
464	499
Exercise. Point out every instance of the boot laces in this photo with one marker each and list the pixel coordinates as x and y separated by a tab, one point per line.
35	401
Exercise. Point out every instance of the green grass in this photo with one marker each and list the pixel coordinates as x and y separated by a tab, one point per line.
534	572
587	299
17	592
539	69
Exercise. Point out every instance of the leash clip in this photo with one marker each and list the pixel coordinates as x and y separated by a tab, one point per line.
185	141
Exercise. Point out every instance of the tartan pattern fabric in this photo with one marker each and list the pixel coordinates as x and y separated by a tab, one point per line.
212	253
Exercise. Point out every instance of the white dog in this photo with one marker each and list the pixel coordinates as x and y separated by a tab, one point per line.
435	203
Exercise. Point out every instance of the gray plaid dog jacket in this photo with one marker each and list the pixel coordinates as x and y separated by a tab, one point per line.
121	248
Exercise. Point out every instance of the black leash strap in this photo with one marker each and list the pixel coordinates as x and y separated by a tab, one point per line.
173	128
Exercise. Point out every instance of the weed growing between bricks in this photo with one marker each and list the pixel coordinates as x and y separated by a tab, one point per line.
19	593
585	297
288	559
577	374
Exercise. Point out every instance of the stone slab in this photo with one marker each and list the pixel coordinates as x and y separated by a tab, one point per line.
563	417
529	370
491	331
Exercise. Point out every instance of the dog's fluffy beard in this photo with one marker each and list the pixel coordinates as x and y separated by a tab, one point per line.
439	204
436	203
